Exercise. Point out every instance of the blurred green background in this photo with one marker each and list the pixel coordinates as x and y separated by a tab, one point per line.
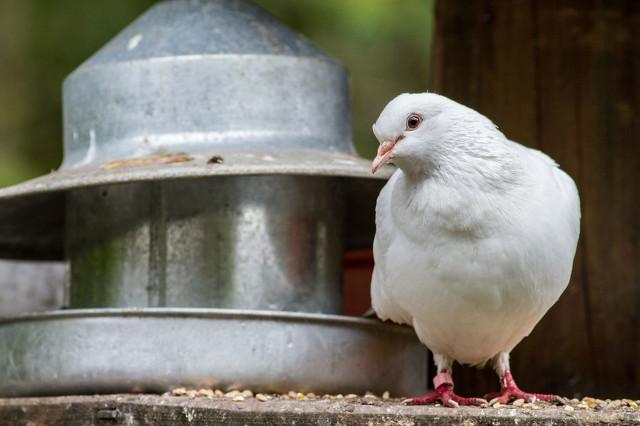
384	43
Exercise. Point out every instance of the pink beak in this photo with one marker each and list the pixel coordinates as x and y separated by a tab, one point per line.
385	152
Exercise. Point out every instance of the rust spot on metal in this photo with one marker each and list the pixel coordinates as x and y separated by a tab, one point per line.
216	159
149	161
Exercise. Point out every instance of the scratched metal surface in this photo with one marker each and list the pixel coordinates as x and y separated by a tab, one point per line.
30	287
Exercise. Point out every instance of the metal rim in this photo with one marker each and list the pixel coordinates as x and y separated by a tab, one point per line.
157	349
206	313
287	163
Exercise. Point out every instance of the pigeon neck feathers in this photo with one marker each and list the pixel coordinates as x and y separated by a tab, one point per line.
465	151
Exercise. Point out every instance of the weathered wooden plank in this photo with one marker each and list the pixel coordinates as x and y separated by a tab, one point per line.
160	410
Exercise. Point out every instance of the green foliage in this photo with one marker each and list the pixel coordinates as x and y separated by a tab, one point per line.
384	44
46	41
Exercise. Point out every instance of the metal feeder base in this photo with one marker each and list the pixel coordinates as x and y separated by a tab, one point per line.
154	350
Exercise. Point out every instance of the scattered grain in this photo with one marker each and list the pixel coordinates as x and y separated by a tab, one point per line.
519	402
205	392
591	403
179	391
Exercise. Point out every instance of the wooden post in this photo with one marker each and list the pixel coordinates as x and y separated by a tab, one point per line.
562	76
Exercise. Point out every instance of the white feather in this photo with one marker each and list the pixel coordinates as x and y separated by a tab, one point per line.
476	234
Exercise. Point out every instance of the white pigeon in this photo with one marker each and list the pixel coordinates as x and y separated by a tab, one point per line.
475	237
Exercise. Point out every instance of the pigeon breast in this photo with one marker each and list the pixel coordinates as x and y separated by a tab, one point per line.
473	259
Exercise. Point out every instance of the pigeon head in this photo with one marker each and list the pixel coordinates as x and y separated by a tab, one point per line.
421	131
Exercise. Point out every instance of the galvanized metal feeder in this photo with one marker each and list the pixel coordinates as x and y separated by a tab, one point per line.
208	190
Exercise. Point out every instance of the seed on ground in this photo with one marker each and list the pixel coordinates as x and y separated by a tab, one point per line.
386	395
261	397
205	392
519	402
591	402
179	391
232	394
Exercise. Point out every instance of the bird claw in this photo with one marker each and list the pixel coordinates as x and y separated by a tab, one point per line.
508	395
445	395
510	391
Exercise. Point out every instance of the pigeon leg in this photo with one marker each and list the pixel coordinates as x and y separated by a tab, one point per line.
444	394
509	390
443	385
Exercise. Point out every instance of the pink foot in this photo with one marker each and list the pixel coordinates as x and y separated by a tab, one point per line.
509	391
444	394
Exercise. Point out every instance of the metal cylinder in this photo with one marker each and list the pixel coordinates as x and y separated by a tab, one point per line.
250	242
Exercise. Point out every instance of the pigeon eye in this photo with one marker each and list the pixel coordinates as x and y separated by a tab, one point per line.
413	121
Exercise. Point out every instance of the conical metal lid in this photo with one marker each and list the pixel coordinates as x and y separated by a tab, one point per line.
204	76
